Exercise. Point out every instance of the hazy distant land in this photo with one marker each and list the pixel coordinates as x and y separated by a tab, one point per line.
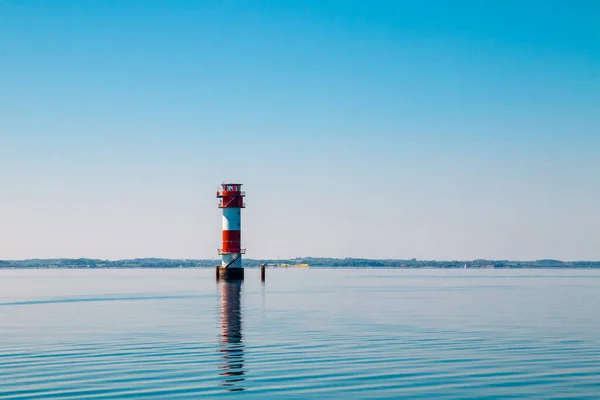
295	262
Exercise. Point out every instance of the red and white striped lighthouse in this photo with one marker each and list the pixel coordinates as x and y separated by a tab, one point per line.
231	201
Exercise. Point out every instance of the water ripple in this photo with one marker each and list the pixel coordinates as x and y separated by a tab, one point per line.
318	335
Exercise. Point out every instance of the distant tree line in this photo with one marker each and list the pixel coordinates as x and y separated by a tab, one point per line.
311	261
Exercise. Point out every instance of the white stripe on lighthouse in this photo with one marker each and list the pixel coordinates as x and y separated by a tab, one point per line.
227	259
231	219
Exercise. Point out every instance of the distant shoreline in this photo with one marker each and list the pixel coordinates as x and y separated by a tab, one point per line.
304	262
4	268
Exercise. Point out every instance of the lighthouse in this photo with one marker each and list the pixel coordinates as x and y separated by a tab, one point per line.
231	202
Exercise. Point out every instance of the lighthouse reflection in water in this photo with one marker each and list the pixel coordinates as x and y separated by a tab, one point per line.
232	347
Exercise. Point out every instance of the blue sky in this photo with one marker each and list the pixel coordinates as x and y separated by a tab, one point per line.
428	129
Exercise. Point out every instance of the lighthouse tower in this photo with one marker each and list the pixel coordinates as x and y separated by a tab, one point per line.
231	201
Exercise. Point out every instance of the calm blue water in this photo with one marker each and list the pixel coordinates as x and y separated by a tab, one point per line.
318	333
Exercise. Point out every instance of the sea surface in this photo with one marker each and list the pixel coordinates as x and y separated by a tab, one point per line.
305	333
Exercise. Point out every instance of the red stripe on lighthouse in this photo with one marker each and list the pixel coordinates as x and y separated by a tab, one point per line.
231	241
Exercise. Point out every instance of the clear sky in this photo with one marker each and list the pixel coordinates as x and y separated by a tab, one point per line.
383	129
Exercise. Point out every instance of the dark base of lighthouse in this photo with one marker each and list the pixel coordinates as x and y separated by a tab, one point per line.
230	274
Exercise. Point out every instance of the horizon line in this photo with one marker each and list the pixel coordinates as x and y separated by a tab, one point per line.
299	258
